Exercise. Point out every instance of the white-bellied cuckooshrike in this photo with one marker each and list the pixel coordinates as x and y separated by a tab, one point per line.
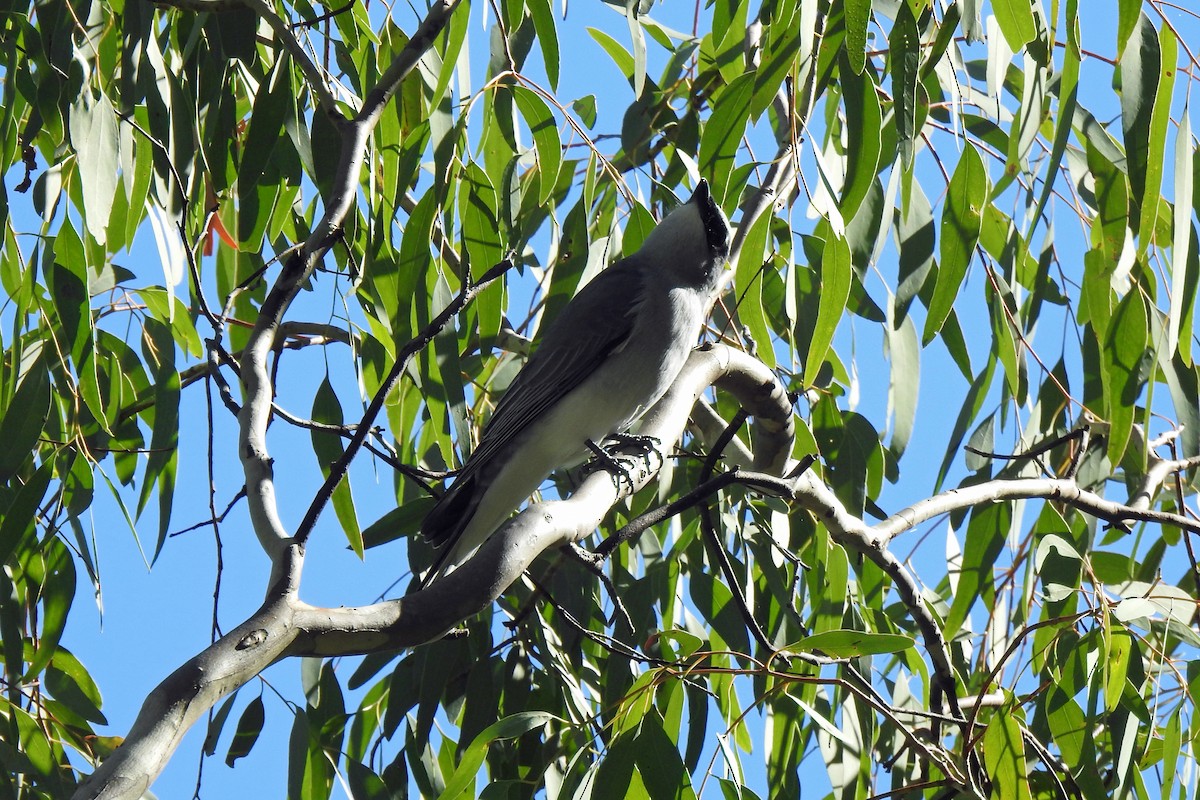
609	356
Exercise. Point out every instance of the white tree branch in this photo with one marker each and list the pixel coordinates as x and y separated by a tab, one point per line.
256	380
1060	489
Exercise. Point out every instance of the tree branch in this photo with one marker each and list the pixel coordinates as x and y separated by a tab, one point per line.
1060	489
337	470
297	268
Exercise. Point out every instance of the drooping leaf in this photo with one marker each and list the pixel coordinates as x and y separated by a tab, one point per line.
1123	353
1156	144
722	135
327	446
1140	66
904	382
24	418
545	138
510	727
1183	253
858	13
986	534
905	57
962	220
158	348
851	643
836	275
249	726
1004	757
1016	21
94	137
748	282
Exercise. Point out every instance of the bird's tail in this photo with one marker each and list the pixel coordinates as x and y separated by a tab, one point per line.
444	525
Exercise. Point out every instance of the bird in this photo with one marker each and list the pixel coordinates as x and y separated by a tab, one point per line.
606	359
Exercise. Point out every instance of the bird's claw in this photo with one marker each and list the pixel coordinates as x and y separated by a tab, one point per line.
645	444
614	464
610	463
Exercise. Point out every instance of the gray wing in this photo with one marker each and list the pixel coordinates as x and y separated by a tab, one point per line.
596	323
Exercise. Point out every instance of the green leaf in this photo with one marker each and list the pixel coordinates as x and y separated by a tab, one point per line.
1015	18
271	106
1183	254
679	643
1129	13
858	14
781	51
17	524
1116	667
585	109
213	734
250	725
638	38
972	403
25	417
1172	749
158	349
657	757
94	137
986	534
510	727
962	221
36	750
54	569
945	35
784	743
454	35
904	381
905	56
1068	89
724	46
1072	733
836	274
748	281
845	643
1002	311
479	206
71	685
327	447
1139	71
722	135
863	113
616	778
68	288
402	521
1004	757
1183	385
619	55
1122	356
547	32
1156	146
545	139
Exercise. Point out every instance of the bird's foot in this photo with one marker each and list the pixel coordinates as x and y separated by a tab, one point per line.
645	444
614	463
647	447
609	462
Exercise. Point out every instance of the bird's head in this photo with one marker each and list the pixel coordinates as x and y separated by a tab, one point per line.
692	242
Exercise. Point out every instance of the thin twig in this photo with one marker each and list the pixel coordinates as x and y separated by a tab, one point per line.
337	470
